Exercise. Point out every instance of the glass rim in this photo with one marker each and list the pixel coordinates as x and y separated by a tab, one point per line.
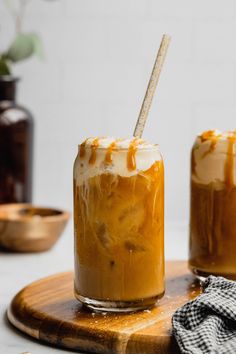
143	148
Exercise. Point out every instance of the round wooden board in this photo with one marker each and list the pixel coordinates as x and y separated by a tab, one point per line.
48	311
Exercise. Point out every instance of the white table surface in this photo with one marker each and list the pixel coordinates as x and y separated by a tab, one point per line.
18	270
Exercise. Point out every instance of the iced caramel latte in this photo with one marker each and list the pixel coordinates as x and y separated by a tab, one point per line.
118	224
213	205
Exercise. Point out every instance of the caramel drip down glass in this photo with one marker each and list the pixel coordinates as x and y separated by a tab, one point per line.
119	230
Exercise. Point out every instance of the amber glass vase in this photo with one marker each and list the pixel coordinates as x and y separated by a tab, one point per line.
16	145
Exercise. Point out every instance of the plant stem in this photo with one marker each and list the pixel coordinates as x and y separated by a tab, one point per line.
20	15
17	14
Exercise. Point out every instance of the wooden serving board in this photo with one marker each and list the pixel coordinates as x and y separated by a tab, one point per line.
48	311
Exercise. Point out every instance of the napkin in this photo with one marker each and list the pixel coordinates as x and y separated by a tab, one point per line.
207	324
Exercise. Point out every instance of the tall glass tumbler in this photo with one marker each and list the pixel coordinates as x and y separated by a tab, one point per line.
213	205
119	224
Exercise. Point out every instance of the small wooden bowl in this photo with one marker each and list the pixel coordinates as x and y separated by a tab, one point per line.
28	228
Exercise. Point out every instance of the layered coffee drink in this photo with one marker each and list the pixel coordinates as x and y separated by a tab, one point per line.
213	205
119	224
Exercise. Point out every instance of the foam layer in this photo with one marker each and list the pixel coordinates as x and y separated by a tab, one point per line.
145	156
214	157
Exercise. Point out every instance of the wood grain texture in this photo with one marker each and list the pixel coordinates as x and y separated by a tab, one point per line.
29	228
48	311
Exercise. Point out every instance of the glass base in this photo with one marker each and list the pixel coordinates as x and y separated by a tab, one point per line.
118	306
202	275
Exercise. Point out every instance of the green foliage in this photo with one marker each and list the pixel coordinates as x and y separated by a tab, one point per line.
24	46
4	67
21	48
38	45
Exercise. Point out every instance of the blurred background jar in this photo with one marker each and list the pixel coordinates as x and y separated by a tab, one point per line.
16	145
213	205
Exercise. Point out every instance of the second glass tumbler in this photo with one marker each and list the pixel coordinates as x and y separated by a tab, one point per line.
213	205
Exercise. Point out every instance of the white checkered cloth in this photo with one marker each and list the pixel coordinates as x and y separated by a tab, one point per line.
207	324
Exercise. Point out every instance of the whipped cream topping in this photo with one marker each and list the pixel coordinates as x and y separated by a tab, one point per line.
124	157
214	158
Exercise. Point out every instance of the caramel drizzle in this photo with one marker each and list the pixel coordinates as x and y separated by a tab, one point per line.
212	146
131	161
82	150
213	143
94	146
210	135
229	163
110	149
